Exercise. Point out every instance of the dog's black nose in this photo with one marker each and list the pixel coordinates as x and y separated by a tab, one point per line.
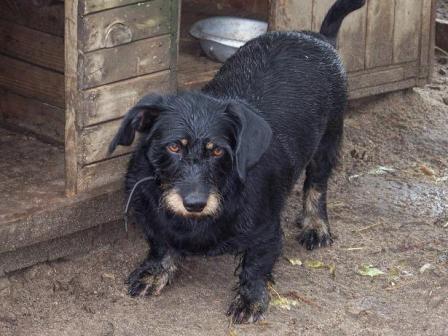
195	202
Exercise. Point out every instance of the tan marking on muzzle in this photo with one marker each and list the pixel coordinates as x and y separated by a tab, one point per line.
173	202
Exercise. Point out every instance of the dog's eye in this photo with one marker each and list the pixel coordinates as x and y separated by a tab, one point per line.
217	152
173	148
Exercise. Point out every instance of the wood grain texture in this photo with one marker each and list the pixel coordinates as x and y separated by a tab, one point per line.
94	142
32	81
407	30
386	75
428	39
92	6
126	61
102	173
48	19
113	100
352	40
122	25
45	120
380	33
320	9
290	15
384	88
71	94
32	46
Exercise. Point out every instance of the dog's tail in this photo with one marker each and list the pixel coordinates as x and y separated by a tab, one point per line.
337	13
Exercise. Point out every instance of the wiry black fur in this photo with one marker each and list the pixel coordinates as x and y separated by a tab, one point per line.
294	82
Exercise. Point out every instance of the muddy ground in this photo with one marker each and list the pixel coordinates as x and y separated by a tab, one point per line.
388	206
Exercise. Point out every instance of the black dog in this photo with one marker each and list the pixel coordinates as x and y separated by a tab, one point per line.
224	159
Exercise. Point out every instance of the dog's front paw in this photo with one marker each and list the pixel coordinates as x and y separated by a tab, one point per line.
312	238
242	310
151	277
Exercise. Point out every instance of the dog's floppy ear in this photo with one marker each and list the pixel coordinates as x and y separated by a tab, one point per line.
253	136
139	118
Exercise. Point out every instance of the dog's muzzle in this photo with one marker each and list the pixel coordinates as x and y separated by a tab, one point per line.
192	205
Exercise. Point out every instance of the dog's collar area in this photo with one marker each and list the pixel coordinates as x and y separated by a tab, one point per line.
128	203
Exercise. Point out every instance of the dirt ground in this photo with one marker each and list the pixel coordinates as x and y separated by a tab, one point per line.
389	209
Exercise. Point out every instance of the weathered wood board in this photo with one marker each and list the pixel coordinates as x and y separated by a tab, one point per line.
32	46
116	52
380	33
45	120
133	59
32	81
37	15
383	34
94	142
111	101
92	6
407	30
122	25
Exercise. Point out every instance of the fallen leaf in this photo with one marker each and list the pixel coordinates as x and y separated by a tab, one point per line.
427	171
315	264
232	332
381	170
369	270
294	261
108	276
394	273
424	268
332	269
284	303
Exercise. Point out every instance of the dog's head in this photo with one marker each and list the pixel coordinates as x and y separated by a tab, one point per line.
196	144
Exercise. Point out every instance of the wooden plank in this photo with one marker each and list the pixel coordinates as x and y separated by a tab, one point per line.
376	78
380	33
320	9
176	9
32	46
425	43
195	70
126	61
102	173
122	25
43	119
407	30
94	142
71	94
112	101
429	40
48	18
92	6
389	87
290	14
32	81
352	40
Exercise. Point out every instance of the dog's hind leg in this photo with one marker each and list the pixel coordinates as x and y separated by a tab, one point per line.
315	226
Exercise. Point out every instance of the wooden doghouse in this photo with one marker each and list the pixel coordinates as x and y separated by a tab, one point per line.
70	70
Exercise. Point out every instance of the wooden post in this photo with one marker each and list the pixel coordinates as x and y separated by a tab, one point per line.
71	95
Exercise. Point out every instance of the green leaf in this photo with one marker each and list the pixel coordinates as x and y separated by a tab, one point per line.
369	270
294	261
315	264
284	303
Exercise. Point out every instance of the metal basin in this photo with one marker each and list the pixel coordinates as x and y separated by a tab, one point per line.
221	36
